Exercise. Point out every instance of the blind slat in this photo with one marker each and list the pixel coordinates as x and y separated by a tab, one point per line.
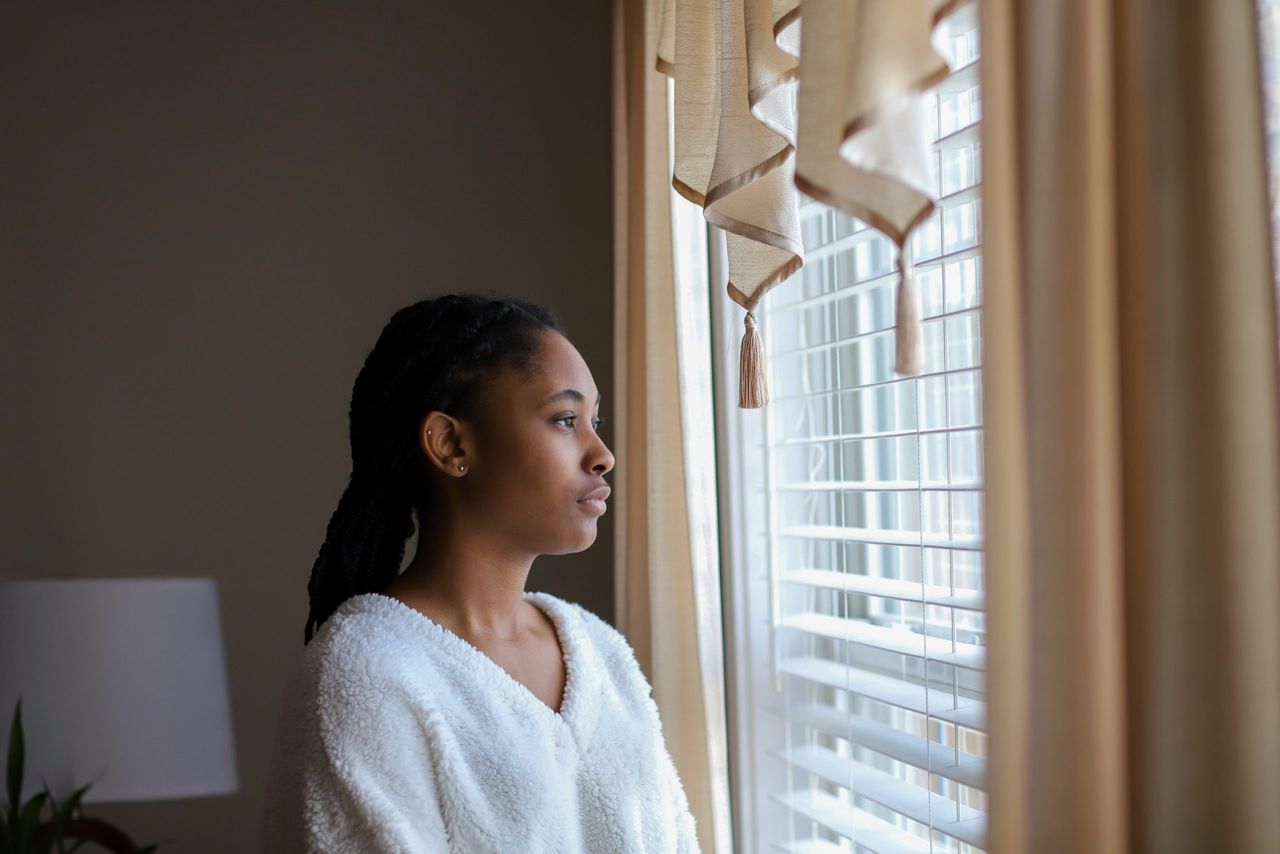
965	768
887	588
940	650
810	846
906	799
881	332
960	138
879	384
843	818
893	691
959	80
876	486
880	434
882	537
884	281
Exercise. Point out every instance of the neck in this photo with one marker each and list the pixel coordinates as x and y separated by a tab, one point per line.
470	582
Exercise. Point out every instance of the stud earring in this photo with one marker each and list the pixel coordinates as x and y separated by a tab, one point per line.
461	468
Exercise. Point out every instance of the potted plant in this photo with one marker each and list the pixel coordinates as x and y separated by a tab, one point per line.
24	831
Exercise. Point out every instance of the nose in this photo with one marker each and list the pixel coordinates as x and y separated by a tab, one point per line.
601	458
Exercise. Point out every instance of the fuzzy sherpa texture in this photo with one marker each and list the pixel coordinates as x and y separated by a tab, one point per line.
397	735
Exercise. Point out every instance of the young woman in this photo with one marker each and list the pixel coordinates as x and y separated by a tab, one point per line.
445	708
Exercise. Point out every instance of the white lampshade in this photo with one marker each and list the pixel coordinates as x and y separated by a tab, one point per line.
122	684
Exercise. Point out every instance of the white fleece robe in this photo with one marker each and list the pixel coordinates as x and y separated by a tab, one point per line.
397	735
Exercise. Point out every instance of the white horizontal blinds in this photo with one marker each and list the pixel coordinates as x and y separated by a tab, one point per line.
875	528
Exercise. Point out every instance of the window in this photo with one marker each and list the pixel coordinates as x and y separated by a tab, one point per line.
1269	52
854	593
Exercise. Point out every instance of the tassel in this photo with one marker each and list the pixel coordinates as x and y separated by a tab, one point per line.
753	390
910	339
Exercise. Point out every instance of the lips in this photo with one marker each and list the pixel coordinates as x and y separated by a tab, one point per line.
597	494
594	501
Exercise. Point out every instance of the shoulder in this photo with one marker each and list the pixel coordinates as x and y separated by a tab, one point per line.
363	657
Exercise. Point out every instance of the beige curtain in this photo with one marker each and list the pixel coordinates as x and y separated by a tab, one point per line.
666	565
1132	435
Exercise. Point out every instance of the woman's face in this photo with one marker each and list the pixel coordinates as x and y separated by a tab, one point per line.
537	454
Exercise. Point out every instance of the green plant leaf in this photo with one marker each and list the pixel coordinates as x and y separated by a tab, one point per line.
63	813
31	811
16	759
30	822
74	798
16	824
21	829
55	823
67	809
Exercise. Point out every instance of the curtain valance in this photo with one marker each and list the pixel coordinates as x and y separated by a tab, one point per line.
853	136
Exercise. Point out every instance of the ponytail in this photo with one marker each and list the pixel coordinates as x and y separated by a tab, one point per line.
362	549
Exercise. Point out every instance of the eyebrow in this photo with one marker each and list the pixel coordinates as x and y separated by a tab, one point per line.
571	393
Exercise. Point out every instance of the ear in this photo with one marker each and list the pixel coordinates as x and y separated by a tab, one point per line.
441	438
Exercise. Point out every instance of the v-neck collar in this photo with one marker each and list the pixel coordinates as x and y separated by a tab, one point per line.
469	654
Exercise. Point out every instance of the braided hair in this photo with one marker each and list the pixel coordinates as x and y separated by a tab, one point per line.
432	355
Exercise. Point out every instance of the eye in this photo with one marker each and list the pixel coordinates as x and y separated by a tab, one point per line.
596	423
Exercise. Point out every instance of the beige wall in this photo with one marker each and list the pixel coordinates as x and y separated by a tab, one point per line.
206	216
